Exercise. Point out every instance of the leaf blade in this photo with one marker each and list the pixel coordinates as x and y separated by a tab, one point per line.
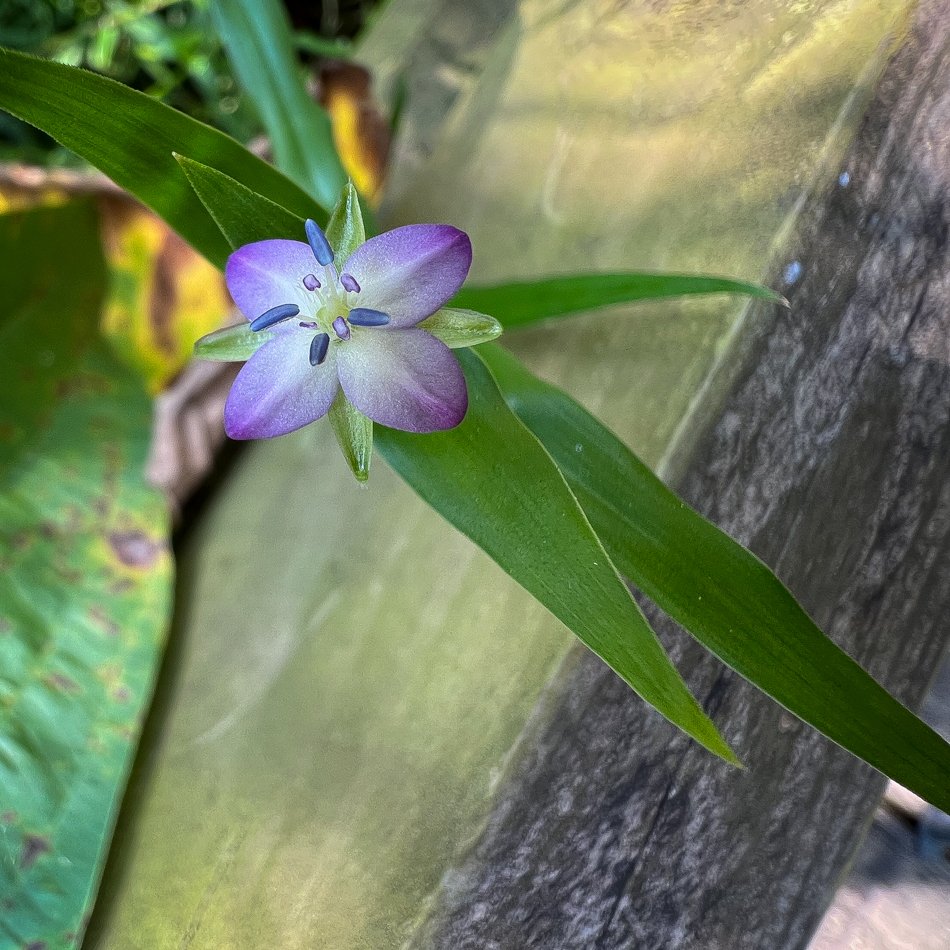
241	214
257	37
520	303
131	139
85	589
677	557
491	463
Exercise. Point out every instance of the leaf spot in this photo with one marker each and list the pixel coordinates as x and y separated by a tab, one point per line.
62	684
134	548
33	847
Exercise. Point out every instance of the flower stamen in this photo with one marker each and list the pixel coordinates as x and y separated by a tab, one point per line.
349	283
318	243
318	348
365	317
276	314
342	328
311	282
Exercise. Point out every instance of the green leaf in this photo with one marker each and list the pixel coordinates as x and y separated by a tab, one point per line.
495	482
345	230
354	433
232	344
523	302
720	592
37	346
457	328
241	215
85	577
257	37
131	138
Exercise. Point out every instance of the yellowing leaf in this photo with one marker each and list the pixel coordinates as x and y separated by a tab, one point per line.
162	294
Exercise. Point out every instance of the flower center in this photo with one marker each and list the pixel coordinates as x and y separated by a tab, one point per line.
333	302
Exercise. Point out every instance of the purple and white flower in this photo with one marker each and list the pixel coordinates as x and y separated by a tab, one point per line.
354	327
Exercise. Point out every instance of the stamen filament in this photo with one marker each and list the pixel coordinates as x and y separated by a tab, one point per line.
365	317
281	312
318	242
318	348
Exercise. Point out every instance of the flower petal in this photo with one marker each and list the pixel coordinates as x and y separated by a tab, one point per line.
412	271
405	379
266	274
278	390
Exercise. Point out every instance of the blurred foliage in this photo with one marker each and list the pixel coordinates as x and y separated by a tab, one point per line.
162	294
166	49
85	575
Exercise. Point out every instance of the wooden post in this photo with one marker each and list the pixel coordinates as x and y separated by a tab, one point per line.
831	459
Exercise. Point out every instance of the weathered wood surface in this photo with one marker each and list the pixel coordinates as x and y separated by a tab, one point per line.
831	460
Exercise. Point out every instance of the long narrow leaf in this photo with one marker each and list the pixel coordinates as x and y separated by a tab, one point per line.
241	214
493	480
131	138
257	37
522	302
720	592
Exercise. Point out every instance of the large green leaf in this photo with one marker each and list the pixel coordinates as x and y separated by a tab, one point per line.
720	592
85	577
522	302
131	138
256	35
495	482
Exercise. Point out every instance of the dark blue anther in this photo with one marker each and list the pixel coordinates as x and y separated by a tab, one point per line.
349	283
311	282
318	348
275	315
318	242
364	317
341	328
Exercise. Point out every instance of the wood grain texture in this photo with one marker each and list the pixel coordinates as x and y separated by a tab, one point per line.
830	459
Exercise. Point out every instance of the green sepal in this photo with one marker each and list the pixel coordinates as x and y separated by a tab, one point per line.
457	328
231	344
345	230
354	432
